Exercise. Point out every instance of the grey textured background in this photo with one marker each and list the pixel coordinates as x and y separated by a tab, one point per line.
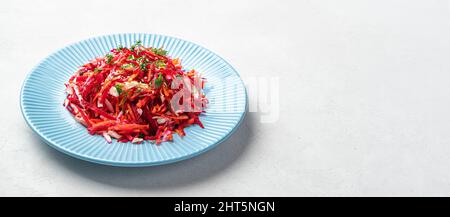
364	105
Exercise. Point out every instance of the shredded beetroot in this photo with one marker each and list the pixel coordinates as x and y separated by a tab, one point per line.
136	94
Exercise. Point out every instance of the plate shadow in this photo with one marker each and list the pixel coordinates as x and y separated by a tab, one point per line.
192	171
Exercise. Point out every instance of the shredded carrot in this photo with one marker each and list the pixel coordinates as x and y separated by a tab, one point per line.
127	95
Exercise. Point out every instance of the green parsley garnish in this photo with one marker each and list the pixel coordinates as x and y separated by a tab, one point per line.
119	88
159	51
160	64
136	44
109	58
143	62
127	66
158	81
143	67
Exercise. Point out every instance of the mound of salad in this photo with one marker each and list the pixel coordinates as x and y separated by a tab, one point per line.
135	94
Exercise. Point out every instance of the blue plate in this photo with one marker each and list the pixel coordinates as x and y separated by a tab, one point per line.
43	93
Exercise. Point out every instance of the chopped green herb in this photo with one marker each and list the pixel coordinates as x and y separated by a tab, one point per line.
136	44
96	70
160	64
119	88
159	51
143	62
143	67
131	57
127	66
158	81
141	135
109	58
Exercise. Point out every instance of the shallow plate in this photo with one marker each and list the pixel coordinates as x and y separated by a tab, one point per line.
43	93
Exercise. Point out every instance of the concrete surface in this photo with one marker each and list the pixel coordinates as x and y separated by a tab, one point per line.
363	108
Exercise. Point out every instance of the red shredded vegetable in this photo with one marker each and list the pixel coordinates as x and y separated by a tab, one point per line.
136	94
